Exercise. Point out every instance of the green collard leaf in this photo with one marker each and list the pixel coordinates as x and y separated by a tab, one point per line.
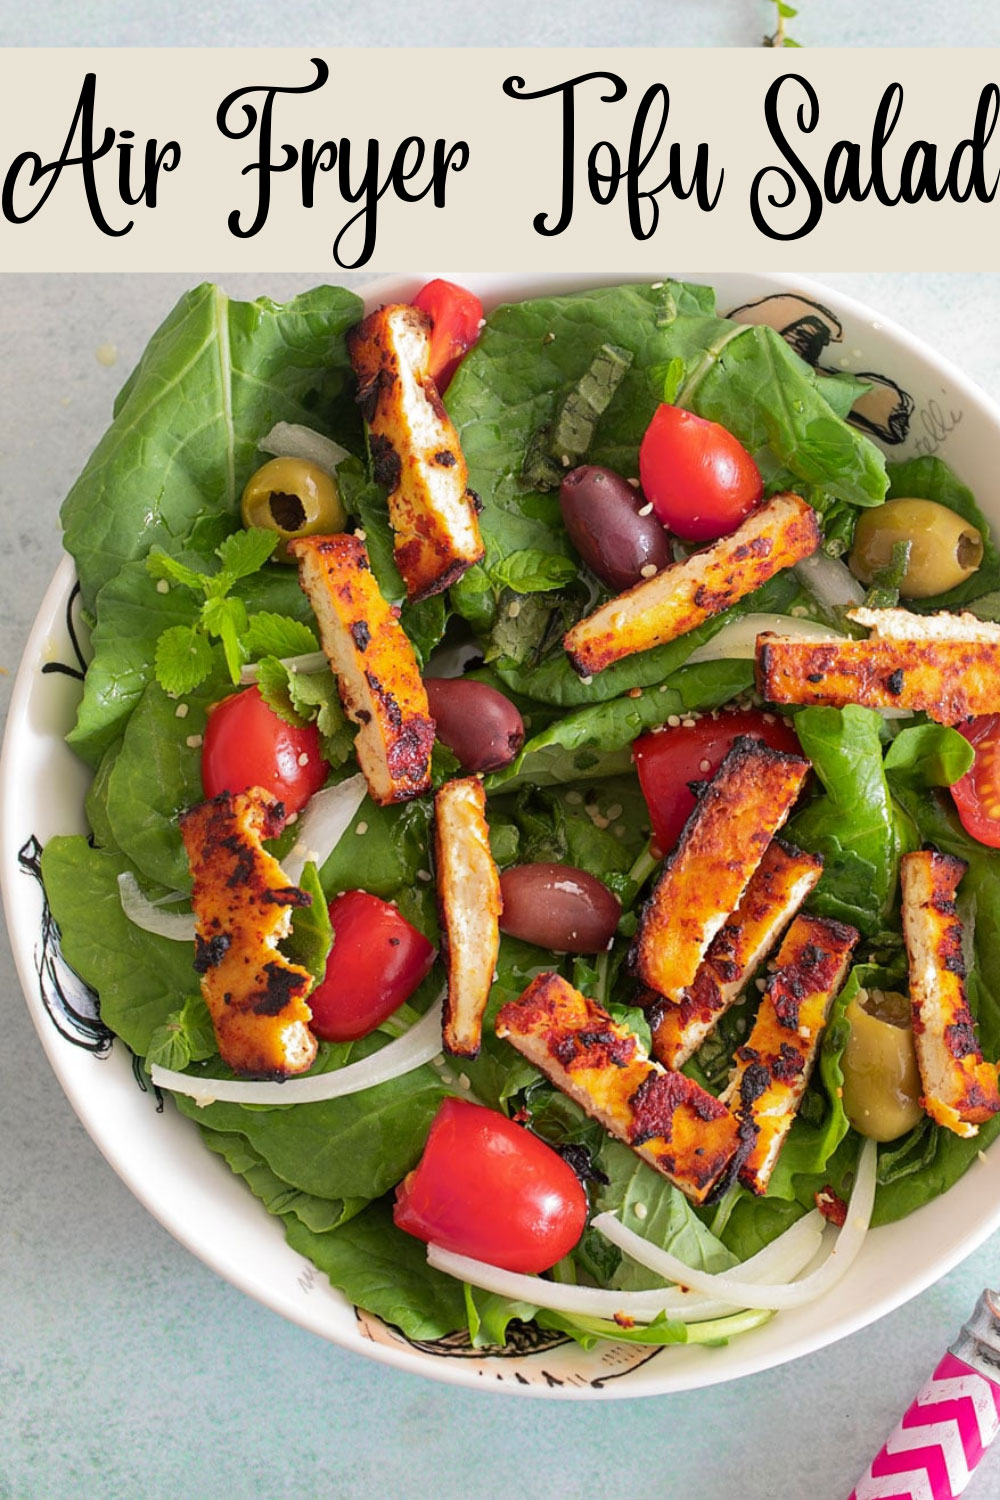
532	572
270	634
186	1036
245	552
183	659
311	937
927	755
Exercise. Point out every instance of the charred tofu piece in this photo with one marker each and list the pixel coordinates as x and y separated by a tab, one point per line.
774	1065
704	878
959	1087
670	1121
243	906
415	451
377	674
778	887
945	665
686	594
469	907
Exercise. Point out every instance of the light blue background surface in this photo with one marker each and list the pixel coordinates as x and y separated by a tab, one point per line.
129	1370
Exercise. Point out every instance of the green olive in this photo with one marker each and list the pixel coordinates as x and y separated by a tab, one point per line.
294	498
881	1081
945	548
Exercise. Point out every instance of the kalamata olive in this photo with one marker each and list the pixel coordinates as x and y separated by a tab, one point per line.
601	513
294	498
480	725
558	907
945	549
881	1081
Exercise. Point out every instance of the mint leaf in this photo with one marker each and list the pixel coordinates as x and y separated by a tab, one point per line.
273	686
315	696
226	620
531	571
270	634
245	552
183	658
161	565
186	1036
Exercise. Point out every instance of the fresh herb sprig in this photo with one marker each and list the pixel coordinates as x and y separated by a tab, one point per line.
183	657
779	37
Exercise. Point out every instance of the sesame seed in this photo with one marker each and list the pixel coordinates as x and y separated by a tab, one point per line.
596	816
648	571
566	460
673	721
656	286
549	338
647	509
304	758
619	830
635	692
618	620
704	765
447	1076
424	875
292	818
662	689
514	609
760	985
464	1081
982	1156
614	811
362	536
634	483
769	718
741	1026
193	741
162	586
688	722
181	711
640	1210
574	798
496	975
439	1060
586	680
362	828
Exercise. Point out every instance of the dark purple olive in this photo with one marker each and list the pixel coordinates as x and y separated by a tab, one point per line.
480	725
558	907
601	512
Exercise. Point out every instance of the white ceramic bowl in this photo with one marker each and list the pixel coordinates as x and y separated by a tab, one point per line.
922	405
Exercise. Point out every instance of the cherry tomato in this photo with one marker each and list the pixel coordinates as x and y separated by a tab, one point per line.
670	758
487	1188
456	315
700	480
246	744
376	962
977	795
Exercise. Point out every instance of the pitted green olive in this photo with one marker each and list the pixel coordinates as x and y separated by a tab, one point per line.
945	548
294	498
881	1081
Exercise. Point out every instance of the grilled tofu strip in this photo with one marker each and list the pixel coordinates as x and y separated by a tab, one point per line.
469	907
947	666
377	674
774	1064
960	1088
778	887
415	451
688	1136
243	904
688	593
704	878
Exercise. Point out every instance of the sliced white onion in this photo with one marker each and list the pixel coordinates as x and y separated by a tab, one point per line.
292	440
309	661
327	817
784	1257
744	1293
737	640
830	581
420	1045
150	916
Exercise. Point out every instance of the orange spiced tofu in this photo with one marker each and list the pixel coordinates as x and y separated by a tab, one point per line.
469	906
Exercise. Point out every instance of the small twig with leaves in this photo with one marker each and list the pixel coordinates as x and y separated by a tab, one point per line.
780	37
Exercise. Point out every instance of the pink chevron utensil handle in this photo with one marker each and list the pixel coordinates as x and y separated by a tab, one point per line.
934	1450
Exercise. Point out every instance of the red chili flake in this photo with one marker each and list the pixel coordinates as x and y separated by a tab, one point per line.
831	1206
521	1116
624	1321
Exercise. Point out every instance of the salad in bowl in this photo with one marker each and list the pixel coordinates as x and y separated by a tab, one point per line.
542	815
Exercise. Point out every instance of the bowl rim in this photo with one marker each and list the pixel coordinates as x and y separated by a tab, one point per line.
741	1358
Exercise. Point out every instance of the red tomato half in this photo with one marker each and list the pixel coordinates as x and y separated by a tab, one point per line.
669	759
486	1187
456	315
700	480
246	744
977	795
376	962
